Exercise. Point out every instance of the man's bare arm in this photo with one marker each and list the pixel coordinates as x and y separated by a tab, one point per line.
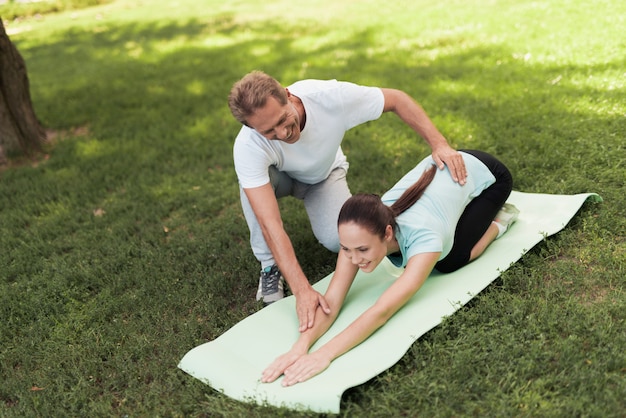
265	206
413	115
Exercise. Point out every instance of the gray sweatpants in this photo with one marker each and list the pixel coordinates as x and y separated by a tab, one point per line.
322	202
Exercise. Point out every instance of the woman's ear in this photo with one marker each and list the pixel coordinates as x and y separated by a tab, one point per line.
388	233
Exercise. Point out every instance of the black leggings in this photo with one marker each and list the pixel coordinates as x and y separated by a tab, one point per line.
478	214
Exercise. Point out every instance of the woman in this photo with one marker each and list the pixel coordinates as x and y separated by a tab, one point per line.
425	221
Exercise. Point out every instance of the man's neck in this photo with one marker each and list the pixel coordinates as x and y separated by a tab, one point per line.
297	103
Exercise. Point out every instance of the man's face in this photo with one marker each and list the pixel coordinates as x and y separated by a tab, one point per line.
277	122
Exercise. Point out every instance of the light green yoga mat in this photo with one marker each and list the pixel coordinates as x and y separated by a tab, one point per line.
233	363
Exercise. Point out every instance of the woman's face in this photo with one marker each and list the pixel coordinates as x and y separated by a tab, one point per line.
363	248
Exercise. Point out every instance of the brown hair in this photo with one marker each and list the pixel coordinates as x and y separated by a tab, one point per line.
368	211
251	93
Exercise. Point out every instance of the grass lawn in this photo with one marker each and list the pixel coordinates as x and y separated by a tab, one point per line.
125	246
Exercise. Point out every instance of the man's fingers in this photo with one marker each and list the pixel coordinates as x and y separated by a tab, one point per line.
307	318
311	317
454	162
304	325
459	169
439	162
325	306
306	314
455	170
303	319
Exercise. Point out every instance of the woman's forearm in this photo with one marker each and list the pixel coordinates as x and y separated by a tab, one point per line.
311	335
355	334
335	295
397	295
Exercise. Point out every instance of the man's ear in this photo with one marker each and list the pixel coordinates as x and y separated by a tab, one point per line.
288	92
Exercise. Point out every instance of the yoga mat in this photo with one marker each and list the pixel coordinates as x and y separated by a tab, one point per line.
232	363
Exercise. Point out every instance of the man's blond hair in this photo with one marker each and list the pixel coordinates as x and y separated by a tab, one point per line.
251	93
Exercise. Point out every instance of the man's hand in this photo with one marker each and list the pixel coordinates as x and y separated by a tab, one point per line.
413	115
446	156
307	302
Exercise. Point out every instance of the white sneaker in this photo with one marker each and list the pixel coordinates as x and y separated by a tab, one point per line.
505	218
271	285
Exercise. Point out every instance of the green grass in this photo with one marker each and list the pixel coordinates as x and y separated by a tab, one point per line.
16	9
125	247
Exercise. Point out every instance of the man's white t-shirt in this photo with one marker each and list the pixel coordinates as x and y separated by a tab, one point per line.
332	107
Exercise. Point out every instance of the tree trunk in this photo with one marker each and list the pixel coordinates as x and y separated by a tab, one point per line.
20	131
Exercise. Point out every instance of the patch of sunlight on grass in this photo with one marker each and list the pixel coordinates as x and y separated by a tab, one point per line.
53	210
313	43
605	80
196	87
261	50
593	106
343	56
458	129
221	41
133	49
174	44
90	148
454	86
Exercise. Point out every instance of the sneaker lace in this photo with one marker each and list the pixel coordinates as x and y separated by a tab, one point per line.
270	281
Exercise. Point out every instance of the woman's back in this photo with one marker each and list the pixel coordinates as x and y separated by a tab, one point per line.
428	225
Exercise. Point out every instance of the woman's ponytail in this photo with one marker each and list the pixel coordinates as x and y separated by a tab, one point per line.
413	193
368	211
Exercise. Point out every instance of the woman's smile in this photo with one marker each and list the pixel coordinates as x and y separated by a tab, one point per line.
364	249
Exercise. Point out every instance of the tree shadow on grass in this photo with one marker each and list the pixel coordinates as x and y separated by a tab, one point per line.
160	143
168	107
158	161
154	98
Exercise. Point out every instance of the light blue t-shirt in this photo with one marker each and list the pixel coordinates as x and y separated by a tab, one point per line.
429	225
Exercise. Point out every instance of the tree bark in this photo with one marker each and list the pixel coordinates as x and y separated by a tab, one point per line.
20	130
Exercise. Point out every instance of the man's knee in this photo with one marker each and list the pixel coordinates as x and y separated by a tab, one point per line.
330	242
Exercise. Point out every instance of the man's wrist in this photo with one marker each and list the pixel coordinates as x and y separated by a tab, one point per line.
301	287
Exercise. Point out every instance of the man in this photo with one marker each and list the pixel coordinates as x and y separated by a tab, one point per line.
290	144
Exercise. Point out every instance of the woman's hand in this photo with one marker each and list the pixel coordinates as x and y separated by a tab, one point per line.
305	368
289	363
278	366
